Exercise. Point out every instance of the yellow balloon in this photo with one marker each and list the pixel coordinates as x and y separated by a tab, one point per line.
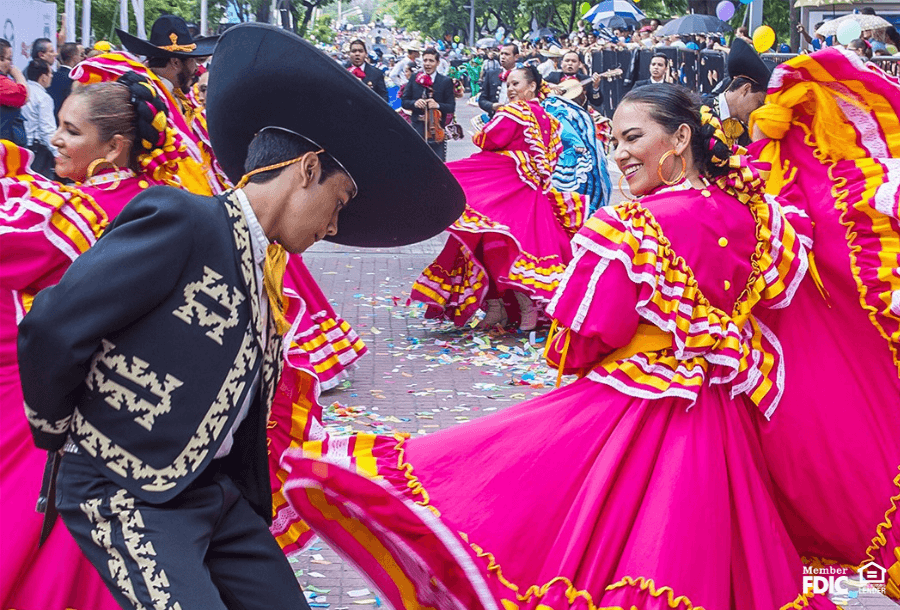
763	38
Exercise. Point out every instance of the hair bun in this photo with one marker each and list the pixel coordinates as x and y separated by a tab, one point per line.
152	112
717	150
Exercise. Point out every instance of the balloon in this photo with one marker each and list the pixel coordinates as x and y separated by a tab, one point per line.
763	38
456	38
585	7
724	10
848	31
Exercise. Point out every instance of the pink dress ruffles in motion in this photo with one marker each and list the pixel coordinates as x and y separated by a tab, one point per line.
834	446
641	485
516	229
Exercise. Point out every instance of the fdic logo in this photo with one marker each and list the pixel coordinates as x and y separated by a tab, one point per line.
835	580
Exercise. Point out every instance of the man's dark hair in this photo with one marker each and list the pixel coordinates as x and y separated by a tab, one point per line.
39	46
68	51
740	81
575	53
4	44
358	41
515	48
36	68
867	10
157	62
432	51
660	56
272	146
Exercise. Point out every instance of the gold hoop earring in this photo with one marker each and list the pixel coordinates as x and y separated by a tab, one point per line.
626	197
93	167
680	176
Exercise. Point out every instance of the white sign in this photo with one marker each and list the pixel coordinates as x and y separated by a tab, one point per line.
24	21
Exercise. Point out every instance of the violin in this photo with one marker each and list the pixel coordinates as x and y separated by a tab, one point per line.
432	117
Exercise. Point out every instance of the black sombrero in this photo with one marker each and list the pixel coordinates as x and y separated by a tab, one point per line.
169	37
744	61
263	76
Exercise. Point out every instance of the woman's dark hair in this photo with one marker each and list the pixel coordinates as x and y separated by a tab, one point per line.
36	68
128	107
531	75
892	35
672	106
271	146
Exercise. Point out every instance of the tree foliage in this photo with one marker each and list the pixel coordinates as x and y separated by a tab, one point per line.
105	15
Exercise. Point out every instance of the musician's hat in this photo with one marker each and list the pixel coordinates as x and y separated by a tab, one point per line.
169	37
553	51
405	193
415	45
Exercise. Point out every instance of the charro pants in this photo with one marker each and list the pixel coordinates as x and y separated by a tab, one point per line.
440	149
205	549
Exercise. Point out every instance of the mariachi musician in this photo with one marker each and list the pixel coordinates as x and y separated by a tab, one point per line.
570	70
429	95
367	73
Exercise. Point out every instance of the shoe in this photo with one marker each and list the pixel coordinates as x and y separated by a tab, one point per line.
495	314
527	311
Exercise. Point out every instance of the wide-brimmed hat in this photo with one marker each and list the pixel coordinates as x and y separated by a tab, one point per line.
406	194
744	61
413	46
169	37
553	51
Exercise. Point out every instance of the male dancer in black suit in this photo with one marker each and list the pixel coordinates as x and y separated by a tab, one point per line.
149	371
430	90
367	73
493	83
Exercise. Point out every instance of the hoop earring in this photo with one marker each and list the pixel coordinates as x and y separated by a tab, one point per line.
93	167
626	197
680	176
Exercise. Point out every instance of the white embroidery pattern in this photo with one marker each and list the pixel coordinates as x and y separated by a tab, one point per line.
227	297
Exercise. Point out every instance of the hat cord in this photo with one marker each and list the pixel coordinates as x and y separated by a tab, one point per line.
246	178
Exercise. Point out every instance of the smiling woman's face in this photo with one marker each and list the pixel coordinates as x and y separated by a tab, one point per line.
77	140
640	142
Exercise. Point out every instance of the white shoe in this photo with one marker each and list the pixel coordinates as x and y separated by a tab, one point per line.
527	311
495	313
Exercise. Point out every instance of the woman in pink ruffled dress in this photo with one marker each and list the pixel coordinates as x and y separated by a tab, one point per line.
515	233
44	226
642	484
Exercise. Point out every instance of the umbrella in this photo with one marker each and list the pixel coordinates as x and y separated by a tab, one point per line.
694	24
808	3
544	33
610	8
866	22
486	43
616	21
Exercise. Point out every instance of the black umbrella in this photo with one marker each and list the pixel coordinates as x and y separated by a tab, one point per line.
694	24
544	33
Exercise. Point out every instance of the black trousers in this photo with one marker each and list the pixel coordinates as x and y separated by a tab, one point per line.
205	549
440	149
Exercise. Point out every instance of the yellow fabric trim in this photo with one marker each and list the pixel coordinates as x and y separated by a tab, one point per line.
646	584
880	540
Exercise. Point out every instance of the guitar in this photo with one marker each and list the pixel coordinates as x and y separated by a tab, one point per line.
573	89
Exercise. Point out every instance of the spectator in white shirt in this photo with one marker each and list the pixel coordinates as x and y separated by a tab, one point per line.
40	123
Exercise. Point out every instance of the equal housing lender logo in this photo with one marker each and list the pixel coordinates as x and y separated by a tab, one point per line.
842	583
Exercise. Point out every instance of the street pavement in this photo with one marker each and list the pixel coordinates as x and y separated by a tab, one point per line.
419	376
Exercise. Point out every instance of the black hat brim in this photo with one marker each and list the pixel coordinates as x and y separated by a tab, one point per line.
263	76
139	46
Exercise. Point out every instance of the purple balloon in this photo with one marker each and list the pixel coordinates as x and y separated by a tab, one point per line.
725	10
